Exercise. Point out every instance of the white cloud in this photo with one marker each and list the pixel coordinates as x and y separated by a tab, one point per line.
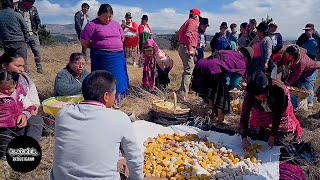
291	15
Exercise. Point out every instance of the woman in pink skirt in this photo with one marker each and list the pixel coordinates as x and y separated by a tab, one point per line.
271	110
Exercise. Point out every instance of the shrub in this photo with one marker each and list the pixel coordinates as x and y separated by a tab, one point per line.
174	41
45	36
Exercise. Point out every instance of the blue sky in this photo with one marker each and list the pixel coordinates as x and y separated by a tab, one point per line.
291	15
152	5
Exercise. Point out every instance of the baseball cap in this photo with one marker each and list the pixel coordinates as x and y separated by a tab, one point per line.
195	11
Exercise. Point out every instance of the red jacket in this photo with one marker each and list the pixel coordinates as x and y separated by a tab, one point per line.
188	34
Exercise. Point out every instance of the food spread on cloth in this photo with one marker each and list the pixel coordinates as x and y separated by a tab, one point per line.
179	157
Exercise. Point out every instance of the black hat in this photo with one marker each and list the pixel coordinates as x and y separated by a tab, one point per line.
258	84
204	21
144	17
224	24
263	27
309	26
128	14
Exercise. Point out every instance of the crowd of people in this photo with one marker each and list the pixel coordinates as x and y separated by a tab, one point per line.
254	56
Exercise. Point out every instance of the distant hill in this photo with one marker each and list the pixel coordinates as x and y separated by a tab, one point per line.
61	28
66	33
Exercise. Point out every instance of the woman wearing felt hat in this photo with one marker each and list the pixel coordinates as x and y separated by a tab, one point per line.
210	78
262	46
267	108
131	38
145	31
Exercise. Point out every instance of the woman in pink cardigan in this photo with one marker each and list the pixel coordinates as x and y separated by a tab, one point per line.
16	118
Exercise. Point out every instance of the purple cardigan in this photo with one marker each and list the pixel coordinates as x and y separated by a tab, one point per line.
227	61
104	36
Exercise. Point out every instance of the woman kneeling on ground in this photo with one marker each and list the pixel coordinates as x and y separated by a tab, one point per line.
272	117
69	80
215	76
19	102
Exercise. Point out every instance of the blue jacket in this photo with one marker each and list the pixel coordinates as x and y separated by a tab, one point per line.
304	38
66	84
217	44
13	27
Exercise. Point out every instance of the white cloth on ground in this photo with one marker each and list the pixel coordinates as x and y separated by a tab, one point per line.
270	157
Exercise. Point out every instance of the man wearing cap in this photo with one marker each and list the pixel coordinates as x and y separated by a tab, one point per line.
188	42
81	18
131	39
204	23
32	19
221	40
310	41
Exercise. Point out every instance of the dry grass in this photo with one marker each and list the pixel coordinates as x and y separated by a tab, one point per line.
56	57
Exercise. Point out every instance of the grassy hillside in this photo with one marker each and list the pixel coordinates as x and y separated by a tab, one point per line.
56	57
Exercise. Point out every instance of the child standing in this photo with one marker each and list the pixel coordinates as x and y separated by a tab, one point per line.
156	68
89	135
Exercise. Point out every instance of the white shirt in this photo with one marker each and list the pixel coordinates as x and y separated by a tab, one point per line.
85	20
87	142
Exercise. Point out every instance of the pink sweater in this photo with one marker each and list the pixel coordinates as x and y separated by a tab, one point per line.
13	106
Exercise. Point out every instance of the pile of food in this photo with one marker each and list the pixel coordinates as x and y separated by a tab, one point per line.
236	101
179	157
236	105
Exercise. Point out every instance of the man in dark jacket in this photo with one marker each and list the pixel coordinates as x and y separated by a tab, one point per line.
13	30
32	19
221	40
81	18
310	40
